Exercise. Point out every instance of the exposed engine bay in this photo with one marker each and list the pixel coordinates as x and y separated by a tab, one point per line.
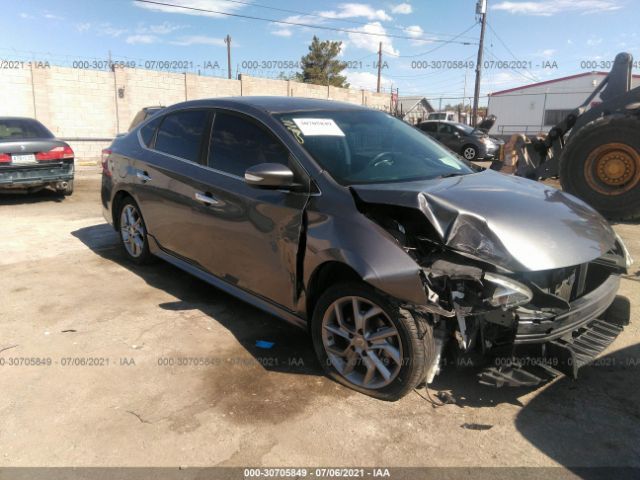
519	327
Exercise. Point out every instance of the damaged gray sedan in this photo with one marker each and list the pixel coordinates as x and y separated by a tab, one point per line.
394	253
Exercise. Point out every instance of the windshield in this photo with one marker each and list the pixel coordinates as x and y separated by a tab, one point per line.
465	128
22	128
366	146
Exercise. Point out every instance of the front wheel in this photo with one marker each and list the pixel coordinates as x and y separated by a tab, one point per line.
469	152
369	343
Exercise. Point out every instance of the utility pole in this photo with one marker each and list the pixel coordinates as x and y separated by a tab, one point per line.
379	65
227	40
481	9
464	95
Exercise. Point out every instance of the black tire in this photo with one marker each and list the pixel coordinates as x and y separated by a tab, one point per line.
414	335
582	163
469	148
143	255
619	312
68	190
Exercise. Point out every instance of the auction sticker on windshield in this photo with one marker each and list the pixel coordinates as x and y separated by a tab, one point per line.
318	126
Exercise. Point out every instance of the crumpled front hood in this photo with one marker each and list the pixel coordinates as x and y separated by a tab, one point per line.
508	221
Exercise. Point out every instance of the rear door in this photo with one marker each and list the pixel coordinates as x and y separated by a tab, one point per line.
163	175
246	235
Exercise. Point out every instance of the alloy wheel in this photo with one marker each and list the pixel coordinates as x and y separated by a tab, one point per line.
469	153
361	342
132	230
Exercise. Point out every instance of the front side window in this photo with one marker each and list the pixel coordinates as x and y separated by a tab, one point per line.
446	129
365	146
239	143
180	134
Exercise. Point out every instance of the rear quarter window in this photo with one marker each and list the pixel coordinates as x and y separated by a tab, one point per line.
148	131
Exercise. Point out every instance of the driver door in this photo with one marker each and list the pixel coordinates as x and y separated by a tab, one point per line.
252	234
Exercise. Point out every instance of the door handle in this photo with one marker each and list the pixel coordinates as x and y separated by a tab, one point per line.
143	176
207	199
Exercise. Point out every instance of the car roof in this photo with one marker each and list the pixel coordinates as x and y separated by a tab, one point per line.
18	118
272	104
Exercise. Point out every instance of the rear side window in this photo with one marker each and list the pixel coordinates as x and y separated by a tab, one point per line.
148	131
239	143
180	134
21	128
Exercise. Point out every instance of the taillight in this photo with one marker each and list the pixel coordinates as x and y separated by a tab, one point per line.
56	153
105	161
4	158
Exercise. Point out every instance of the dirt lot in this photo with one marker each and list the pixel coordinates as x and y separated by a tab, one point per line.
69	295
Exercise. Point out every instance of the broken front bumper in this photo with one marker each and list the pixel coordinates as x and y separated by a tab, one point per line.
566	342
12	177
582	311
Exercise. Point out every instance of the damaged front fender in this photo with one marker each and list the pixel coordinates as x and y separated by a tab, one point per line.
377	259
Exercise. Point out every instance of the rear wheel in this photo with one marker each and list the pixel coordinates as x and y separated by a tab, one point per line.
133	232
367	342
601	165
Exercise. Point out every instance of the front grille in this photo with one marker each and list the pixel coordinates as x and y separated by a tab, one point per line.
562	282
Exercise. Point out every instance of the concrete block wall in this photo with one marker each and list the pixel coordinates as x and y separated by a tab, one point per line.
263	86
16	92
307	90
378	101
210	87
89	107
74	102
349	95
137	88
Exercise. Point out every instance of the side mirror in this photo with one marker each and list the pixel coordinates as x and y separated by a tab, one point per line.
269	175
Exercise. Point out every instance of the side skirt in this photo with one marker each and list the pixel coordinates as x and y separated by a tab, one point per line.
237	292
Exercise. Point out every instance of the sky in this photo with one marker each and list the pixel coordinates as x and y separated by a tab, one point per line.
429	46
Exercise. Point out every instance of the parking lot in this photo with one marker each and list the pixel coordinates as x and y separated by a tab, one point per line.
150	366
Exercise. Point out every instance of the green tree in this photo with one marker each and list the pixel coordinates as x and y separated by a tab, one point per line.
320	65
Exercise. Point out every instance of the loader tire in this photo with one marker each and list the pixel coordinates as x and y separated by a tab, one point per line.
601	165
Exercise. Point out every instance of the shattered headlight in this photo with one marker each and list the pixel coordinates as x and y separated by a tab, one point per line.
508	293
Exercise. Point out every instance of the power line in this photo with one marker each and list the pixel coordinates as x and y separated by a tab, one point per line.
325	17
500	40
297	24
438	47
